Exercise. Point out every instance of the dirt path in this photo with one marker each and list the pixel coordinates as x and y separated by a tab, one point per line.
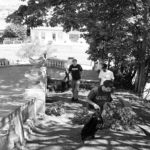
58	133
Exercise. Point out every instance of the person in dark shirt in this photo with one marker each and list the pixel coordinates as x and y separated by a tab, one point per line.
100	95
75	70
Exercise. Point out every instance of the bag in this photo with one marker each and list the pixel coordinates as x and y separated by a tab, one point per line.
90	128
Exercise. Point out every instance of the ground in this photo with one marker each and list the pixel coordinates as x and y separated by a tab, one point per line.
59	133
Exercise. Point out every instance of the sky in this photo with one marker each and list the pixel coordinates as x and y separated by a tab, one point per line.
6	7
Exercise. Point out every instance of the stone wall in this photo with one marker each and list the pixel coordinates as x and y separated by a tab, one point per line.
15	110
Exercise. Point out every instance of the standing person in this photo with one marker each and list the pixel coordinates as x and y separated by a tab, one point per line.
75	70
100	95
105	74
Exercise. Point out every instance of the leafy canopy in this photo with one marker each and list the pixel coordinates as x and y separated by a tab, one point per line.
109	26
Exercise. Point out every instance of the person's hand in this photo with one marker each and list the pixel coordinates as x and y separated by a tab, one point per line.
96	107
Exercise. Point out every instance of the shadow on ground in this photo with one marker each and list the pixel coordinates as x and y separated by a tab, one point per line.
59	133
67	137
12	80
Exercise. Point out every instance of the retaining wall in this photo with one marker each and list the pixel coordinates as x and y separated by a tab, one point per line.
22	97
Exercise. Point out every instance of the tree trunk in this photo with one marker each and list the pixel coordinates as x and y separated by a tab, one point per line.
137	80
141	83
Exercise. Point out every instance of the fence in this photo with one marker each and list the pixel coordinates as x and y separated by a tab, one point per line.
12	41
57	63
4	62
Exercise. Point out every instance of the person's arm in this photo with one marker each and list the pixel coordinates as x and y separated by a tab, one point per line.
112	76
93	104
69	70
100	77
80	69
91	96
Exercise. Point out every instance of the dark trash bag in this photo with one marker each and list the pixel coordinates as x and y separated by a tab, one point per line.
90	128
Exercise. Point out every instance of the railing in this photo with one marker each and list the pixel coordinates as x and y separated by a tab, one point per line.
12	41
4	62
57	63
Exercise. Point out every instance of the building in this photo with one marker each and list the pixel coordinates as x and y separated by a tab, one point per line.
56	35
63	45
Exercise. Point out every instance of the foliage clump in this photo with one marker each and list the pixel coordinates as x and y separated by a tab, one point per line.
55	109
115	117
119	118
81	117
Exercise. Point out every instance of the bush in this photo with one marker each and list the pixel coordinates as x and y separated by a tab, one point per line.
55	109
81	117
114	115
15	31
117	117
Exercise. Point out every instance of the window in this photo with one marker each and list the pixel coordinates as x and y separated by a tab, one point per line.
54	36
74	37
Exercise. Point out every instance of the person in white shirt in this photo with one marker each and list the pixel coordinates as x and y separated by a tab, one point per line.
105	74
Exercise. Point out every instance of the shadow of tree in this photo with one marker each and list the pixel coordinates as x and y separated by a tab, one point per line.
12	80
68	137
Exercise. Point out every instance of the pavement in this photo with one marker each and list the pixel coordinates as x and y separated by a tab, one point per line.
59	133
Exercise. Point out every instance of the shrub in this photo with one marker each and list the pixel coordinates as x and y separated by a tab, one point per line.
15	31
117	117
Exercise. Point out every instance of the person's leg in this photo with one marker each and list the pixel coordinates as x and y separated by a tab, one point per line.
76	90
73	88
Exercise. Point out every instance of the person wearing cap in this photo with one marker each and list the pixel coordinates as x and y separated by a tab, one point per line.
105	74
75	70
100	95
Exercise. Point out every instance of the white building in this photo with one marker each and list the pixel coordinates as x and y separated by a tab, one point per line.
64	45
56	35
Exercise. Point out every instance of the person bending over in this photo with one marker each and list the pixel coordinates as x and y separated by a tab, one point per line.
100	95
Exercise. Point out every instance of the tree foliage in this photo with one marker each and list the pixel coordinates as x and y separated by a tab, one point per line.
35	49
15	31
119	27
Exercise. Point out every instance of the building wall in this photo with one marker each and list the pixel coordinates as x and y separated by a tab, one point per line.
57	35
64	45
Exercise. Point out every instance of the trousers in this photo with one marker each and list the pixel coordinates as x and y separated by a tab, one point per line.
75	88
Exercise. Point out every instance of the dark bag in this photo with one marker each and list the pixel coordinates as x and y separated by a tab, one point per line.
90	128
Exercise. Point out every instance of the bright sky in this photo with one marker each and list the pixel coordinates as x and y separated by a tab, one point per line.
5	7
10	2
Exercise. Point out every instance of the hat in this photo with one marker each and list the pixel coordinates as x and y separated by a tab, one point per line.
108	83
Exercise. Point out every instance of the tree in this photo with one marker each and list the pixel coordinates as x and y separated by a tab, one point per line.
35	49
114	27
32	15
15	31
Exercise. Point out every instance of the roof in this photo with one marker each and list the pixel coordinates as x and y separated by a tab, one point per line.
48	28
